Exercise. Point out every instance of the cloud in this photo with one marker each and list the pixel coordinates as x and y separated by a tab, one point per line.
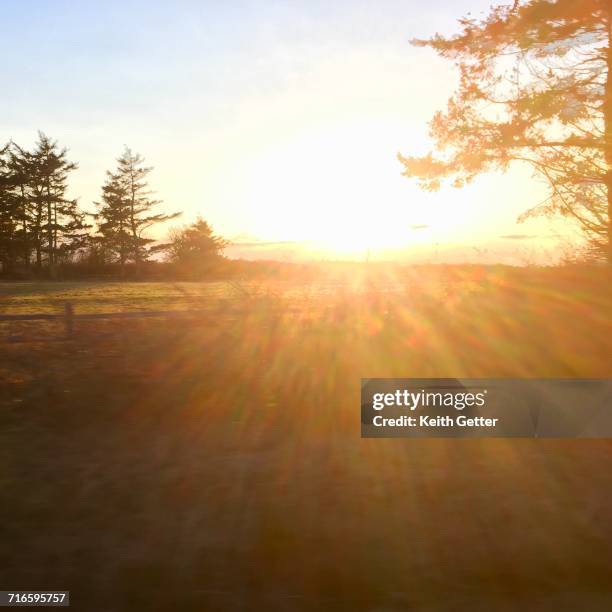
517	236
264	243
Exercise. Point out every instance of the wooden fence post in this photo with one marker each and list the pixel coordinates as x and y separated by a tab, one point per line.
69	319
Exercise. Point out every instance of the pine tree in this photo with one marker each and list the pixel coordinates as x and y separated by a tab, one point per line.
8	212
20	178
535	87
125	210
57	227
195	246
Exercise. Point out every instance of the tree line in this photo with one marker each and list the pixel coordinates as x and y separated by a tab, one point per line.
41	228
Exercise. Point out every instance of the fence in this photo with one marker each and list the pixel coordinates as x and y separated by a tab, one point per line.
68	316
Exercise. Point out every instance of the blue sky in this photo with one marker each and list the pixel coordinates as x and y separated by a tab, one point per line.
88	61
274	120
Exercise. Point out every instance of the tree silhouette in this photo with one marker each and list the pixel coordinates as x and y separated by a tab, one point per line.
536	87
51	222
125	210
194	247
8	211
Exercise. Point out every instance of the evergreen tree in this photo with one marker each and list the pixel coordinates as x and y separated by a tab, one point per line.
20	179
535	87
125	211
8	212
195	246
57	227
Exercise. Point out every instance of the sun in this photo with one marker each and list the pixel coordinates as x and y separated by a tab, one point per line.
339	187
356	239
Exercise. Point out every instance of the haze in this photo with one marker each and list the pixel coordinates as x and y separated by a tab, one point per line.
278	122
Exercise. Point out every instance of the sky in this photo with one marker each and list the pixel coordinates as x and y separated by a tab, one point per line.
279	122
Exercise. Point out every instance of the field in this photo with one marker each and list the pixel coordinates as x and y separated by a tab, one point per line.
215	463
33	297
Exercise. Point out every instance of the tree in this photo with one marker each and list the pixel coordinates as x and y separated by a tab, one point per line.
51	222
8	211
19	170
195	247
125	210
536	87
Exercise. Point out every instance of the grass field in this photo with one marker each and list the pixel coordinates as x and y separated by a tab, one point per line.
217	464
35	297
